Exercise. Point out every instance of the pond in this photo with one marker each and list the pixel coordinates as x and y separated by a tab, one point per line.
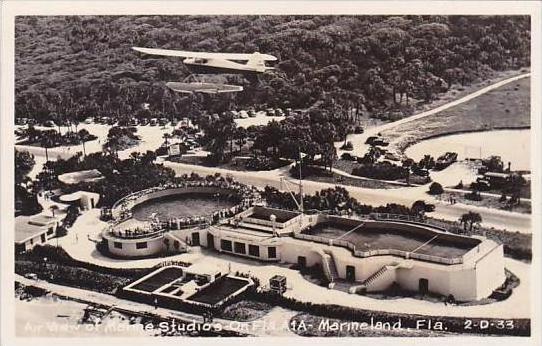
511	145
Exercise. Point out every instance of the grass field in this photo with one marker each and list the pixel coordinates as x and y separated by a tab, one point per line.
504	107
159	279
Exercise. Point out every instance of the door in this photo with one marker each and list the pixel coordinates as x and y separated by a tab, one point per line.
350	273
423	286
210	241
302	261
195	239
92	203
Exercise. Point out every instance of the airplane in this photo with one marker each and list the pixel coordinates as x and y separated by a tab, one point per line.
201	87
202	62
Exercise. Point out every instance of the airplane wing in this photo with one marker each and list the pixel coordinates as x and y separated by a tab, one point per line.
204	55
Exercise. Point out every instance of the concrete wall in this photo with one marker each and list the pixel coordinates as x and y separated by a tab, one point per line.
154	246
489	271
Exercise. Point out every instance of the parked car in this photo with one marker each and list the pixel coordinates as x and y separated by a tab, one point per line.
153	122
358	130
144	121
88	121
49	123
163	121
251	113
134	122
243	114
270	112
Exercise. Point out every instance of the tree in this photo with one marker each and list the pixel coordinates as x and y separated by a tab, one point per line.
24	162
435	189
470	219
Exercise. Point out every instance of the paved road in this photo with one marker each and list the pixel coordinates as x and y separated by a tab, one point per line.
500	219
359	140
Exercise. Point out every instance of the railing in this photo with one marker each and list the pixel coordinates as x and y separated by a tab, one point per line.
379	252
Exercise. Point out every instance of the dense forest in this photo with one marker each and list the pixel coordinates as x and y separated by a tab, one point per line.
72	67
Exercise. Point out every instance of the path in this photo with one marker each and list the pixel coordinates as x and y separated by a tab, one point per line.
358	140
516	306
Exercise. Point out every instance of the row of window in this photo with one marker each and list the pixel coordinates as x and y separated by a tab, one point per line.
140	245
240	248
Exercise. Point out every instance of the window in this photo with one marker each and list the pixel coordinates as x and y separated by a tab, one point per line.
240	248
117	245
272	252
142	245
50	231
254	250
43	238
225	245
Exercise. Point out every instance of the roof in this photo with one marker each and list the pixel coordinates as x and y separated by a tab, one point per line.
204	268
76	196
497	175
42	220
81	176
25	230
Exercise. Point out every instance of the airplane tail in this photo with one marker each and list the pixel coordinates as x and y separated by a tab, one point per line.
258	62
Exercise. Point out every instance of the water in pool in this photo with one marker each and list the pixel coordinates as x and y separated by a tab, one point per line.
182	205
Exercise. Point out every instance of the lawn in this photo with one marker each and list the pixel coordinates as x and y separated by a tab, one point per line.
504	107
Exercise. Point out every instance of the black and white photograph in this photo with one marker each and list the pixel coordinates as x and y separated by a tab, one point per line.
232	172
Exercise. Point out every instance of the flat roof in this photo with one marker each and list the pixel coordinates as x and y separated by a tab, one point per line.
81	176
42	220
24	230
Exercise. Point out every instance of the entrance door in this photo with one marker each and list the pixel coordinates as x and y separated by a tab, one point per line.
350	273
423	286
195	239
92	203
302	261
210	241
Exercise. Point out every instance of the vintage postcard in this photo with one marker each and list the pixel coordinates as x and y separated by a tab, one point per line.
221	171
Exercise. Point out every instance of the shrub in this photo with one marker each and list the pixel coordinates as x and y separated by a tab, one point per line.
381	170
435	189
347	146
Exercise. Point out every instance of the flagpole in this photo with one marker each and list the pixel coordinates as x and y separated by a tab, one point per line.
300	183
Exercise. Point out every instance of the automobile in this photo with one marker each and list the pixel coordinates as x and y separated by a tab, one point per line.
243	114
163	121
235	114
348	157
122	122
153	122
49	123
420	171
110	121
288	112
144	121
279	112
251	113
88	121
270	112
391	157
134	122
358	130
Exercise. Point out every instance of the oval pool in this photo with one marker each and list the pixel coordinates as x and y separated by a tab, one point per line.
182	205
511	145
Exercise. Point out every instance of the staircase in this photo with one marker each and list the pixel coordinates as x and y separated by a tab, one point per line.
328	266
375	278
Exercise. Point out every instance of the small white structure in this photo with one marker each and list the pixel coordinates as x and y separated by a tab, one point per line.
86	200
33	230
87	176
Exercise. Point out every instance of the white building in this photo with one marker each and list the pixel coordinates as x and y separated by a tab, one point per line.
33	230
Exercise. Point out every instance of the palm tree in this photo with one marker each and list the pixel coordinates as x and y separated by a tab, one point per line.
53	208
470	219
46	142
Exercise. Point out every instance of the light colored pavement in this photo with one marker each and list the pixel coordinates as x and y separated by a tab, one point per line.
268	325
516	306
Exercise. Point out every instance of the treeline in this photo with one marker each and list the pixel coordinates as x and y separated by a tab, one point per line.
72	67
